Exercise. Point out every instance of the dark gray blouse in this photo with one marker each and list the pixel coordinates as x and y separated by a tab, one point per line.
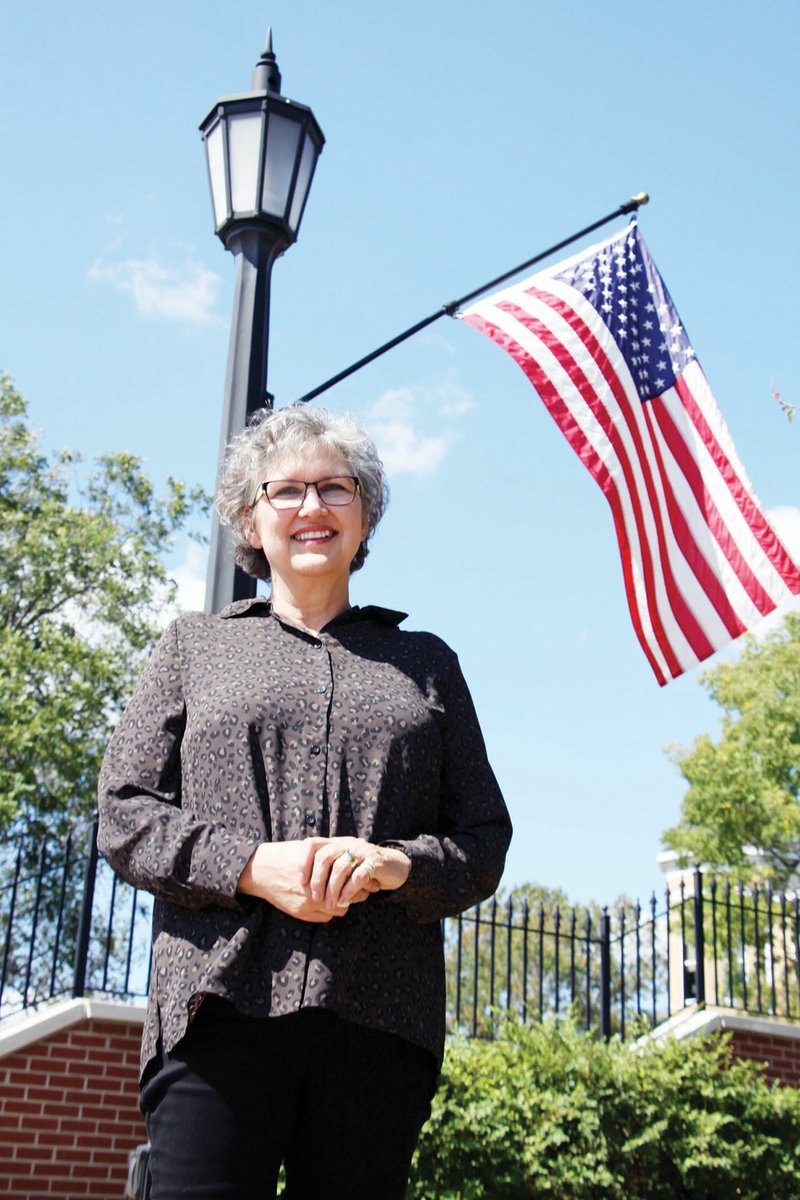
244	729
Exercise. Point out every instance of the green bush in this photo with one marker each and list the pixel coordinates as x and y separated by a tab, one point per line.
546	1111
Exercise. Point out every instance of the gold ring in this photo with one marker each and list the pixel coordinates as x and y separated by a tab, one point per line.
350	857
371	868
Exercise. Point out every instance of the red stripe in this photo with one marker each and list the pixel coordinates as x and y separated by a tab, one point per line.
761	529
591	460
705	502
695	558
681	611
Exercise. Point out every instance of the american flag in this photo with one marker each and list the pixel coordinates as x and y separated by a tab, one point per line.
601	341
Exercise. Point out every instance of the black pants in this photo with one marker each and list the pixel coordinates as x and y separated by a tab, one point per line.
339	1104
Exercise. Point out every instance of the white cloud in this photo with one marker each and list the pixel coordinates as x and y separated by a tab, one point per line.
190	577
397	418
403	449
430	338
185	293
450	398
397	403
456	403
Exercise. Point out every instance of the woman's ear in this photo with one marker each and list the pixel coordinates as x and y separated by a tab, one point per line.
251	533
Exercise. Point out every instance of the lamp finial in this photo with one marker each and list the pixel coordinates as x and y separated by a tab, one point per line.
266	74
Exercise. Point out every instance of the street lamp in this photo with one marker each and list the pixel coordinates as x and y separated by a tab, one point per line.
261	151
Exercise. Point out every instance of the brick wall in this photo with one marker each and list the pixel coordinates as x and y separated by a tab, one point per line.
781	1054
69	1102
772	1041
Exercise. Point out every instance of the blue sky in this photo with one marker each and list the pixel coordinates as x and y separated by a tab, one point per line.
460	141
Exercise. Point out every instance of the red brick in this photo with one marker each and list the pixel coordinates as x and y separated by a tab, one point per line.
106	1054
53	1138
14	1085
59	1109
31	1110
31	1078
93	1142
23	1169
34	1153
46	1125
73	1124
109	1157
90	1172
24	1136
66	1054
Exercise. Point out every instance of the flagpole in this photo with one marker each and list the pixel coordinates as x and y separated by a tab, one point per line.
448	310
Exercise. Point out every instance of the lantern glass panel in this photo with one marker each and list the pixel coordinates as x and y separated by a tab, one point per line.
244	138
307	161
215	156
282	139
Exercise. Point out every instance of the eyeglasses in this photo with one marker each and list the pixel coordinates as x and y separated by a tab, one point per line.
335	492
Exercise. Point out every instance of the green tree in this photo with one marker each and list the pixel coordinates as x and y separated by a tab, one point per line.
82	587
744	788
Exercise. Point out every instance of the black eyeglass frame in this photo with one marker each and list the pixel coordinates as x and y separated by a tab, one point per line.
307	483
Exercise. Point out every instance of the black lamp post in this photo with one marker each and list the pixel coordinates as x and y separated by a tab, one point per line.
261	151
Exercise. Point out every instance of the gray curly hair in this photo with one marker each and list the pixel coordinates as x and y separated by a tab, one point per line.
268	436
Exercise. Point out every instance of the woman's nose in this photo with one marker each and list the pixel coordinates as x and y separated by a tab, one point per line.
312	501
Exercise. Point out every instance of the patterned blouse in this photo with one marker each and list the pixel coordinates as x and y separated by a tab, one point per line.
244	729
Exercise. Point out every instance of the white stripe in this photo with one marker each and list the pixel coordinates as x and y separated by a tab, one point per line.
631	426
595	436
684	580
708	548
683	575
735	590
701	391
738	527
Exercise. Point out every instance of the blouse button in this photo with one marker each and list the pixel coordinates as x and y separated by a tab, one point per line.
311	819
315	750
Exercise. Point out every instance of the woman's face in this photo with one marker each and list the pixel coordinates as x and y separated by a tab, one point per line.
315	540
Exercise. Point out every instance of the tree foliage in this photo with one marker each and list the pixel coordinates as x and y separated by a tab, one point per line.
82	586
549	1112
744	788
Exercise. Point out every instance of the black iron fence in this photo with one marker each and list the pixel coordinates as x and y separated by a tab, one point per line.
706	942
69	927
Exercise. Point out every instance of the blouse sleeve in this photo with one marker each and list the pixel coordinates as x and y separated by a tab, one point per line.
461	862
144	833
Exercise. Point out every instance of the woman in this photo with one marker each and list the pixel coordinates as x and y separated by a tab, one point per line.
304	788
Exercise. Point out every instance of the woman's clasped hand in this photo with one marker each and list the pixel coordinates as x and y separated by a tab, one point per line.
317	879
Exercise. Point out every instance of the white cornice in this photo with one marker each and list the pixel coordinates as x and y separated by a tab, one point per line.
707	1020
32	1025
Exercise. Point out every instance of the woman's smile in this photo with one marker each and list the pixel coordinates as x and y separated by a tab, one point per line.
314	535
